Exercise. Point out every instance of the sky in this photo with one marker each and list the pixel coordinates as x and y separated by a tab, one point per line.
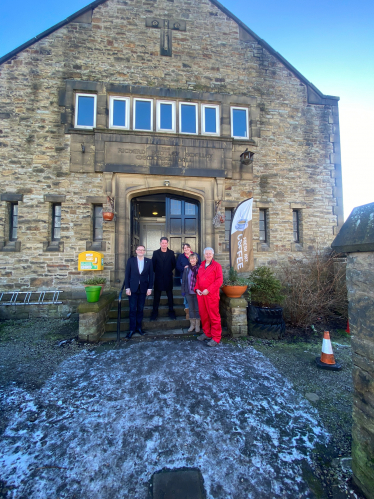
331	43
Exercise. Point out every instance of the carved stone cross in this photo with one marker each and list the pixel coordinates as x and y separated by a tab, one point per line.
166	26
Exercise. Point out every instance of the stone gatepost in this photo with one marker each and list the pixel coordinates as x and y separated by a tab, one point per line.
233	313
356	238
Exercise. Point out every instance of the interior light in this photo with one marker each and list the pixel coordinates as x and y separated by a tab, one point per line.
154	213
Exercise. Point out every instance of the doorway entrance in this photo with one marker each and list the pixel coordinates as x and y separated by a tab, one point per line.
157	215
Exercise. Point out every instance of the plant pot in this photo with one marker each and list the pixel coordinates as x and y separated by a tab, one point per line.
90	285
93	293
108	215
234	291
266	322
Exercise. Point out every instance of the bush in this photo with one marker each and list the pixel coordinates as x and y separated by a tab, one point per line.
265	288
94	281
233	279
314	288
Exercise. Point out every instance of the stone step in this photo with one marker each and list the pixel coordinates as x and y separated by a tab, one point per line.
154	334
177	300
162	312
162	323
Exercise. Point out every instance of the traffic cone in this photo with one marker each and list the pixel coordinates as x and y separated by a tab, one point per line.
348	329
327	360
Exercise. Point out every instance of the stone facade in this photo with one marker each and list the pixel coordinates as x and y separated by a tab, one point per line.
357	239
110	48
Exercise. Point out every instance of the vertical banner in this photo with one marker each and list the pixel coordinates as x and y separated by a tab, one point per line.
241	245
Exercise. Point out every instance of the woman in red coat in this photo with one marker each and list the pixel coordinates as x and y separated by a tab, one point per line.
209	280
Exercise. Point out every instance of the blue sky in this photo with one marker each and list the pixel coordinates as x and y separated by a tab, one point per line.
330	42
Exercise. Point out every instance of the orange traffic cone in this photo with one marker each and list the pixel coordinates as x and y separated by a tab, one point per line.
348	329
327	360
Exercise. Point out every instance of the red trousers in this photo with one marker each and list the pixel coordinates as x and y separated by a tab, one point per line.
209	314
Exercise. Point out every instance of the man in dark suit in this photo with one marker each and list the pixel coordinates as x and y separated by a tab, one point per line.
138	284
163	261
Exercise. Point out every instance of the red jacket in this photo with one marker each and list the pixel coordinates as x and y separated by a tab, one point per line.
210	278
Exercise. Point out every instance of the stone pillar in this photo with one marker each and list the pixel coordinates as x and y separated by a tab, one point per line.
357	239
234	315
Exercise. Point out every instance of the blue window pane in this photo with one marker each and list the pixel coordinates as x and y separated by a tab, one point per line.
119	113
86	106
210	120
166	116
188	118
239	118
143	115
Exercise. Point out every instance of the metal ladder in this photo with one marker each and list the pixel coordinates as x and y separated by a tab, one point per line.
24	297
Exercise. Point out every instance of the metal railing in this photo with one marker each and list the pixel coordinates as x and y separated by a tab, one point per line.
24	297
119	314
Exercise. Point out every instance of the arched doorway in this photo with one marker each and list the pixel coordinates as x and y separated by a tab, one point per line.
173	216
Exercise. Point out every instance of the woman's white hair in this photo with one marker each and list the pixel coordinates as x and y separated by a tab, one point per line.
209	249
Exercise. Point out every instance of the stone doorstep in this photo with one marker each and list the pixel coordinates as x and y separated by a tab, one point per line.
183	483
112	336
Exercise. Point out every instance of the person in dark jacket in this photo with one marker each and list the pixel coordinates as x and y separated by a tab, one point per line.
163	261
138	285
182	263
188	291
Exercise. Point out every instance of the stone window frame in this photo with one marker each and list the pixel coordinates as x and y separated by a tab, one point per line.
6	243
174	116
112	98
105	90
142	99
76	99
53	245
190	103
93	245
241	108
299	208
203	106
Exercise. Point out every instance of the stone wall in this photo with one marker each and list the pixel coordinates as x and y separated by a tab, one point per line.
294	133
360	284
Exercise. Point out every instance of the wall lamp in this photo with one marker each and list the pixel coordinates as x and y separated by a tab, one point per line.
166	183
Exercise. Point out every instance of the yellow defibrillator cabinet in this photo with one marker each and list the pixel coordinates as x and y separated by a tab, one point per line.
90	260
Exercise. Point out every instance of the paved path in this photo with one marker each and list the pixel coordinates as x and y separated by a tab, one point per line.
107	420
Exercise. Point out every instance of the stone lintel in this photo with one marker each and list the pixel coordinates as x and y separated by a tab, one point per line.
54	198
11	197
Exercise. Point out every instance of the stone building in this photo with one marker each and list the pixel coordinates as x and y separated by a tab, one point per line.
153	102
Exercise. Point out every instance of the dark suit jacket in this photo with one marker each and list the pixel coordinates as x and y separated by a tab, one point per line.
163	267
132	276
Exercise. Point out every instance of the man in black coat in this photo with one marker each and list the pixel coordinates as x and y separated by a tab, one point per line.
163	261
138	284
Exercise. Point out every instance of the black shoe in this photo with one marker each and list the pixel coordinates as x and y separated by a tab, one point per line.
141	332
172	315
129	334
153	317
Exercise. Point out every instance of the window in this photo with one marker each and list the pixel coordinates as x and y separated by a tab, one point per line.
13	221
263	226
85	111
296	225
143	114
119	112
239	123
228	215
56	221
166	116
188	118
98	223
209	119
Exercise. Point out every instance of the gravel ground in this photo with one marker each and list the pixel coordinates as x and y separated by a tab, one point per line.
31	351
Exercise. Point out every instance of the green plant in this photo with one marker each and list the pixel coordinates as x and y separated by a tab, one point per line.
265	287
232	279
94	281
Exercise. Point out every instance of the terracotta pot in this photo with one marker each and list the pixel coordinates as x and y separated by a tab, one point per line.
108	215
234	291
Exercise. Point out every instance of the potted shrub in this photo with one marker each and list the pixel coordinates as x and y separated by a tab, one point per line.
108	209
265	315
233	285
95	281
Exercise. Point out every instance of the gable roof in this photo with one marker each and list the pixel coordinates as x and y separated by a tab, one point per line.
315	96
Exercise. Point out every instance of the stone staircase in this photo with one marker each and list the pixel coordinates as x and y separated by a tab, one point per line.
163	326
